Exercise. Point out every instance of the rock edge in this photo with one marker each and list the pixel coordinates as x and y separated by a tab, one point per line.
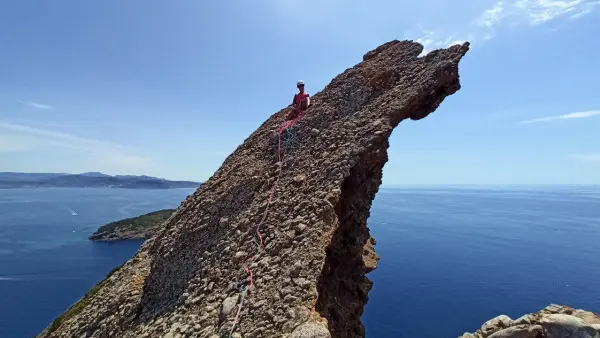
554	321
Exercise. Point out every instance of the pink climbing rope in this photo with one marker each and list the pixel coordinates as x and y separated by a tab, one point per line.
291	122
284	126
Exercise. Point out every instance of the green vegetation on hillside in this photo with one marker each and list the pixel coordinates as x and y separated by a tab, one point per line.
140	227
76	308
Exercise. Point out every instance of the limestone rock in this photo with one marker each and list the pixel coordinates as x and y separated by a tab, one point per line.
228	306
468	335
282	224
554	321
311	330
523	331
495	324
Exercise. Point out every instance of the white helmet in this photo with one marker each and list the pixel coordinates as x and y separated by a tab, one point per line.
300	83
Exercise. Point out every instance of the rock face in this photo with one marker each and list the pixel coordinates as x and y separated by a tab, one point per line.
555	321
282	234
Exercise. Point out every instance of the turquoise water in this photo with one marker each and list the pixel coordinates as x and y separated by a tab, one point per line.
451	258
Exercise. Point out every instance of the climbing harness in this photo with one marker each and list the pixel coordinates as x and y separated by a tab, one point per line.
285	136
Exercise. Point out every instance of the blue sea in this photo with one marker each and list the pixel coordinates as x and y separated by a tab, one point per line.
46	261
451	257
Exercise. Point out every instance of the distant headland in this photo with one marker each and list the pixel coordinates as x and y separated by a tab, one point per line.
12	180
140	227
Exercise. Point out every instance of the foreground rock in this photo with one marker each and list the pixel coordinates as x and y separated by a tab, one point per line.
308	279
140	227
555	321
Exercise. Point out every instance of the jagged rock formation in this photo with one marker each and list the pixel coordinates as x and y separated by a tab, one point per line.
309	277
555	321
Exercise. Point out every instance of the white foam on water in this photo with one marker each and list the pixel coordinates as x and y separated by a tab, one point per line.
8	278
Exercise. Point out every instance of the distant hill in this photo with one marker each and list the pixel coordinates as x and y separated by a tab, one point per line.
141	227
96	174
10	180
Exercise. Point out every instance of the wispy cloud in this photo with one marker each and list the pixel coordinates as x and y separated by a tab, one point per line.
540	11
505	14
432	40
570	116
587	157
42	124
83	151
492	16
586	9
35	105
60	139
534	12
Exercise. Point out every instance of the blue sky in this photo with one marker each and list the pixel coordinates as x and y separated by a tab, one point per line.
170	88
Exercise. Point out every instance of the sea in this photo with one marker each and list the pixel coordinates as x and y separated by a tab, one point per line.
452	257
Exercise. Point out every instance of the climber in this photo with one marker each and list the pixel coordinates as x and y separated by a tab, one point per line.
300	103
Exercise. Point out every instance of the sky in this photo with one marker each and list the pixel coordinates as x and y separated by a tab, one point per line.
170	88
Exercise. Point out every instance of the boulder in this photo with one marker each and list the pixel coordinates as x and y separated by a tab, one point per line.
554	321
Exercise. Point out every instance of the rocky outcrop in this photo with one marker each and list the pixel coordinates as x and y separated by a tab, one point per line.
140	227
555	321
276	244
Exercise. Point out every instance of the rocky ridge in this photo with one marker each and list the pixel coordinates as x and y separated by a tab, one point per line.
554	321
308	279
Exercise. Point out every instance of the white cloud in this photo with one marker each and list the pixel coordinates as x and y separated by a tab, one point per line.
534	12
570	116
62	139
540	11
505	14
587	157
492	16
35	105
42	124
94	155
586	9
432	40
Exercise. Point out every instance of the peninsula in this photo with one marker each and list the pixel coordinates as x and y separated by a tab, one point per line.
140	227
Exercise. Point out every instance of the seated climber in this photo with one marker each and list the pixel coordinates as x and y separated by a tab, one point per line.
300	103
